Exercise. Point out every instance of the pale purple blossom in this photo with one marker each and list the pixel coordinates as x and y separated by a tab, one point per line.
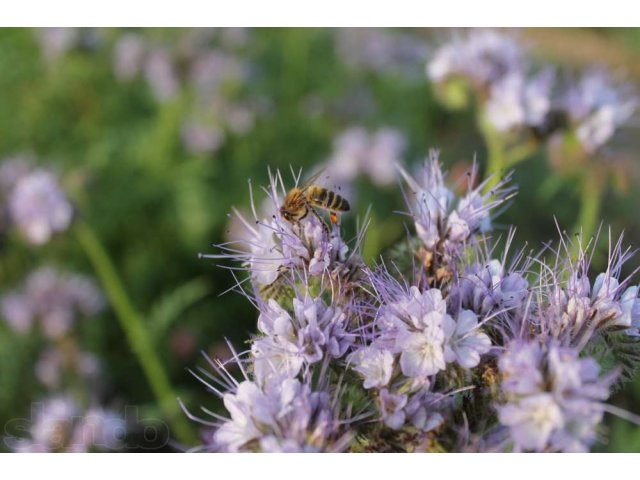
380	50
129	52
480	56
55	42
374	364
465	342
271	247
487	288
160	74
413	325
311	332
444	223
376	154
12	170
200	138
516	101
57	362
60	425
213	70
53	299
630	306
283	415
39	207
554	398
597	107
532	420
392	409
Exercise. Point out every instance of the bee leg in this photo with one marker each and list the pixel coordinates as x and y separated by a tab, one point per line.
321	220
334	218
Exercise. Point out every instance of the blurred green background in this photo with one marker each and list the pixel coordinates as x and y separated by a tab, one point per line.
154	157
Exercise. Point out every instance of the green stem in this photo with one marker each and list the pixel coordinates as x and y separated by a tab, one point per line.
590	197
136	333
521	152
496	161
500	158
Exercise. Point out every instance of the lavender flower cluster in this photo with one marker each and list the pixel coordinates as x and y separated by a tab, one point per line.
518	99
205	64
51	302
444	345
62	422
33	201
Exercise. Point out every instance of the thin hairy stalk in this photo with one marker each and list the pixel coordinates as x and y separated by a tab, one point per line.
591	191
137	335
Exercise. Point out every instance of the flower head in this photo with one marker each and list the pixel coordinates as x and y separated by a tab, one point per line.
597	107
275	250
59	425
52	298
444	224
39	207
481	57
310	332
554	397
356	151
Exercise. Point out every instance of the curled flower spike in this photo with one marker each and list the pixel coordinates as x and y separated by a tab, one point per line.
446	225
272	248
572	309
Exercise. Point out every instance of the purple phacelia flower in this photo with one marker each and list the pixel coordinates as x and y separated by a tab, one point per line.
597	107
374	364
200	138
465	342
487	288
39	207
380	50
516	101
630	306
309	333
412	325
392	409
53	299
160	74
129	52
12	170
283	415
55	363
213	70
356	151
272	248
444	224
481	57
554	398
59	425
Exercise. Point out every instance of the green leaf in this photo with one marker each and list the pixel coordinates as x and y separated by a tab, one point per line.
171	306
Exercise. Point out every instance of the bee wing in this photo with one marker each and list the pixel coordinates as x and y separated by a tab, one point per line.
312	179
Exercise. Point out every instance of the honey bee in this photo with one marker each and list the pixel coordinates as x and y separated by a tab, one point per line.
302	200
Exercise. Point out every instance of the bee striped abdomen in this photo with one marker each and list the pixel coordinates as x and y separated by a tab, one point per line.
339	204
327	199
